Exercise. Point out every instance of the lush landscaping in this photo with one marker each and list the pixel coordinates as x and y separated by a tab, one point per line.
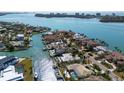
109	66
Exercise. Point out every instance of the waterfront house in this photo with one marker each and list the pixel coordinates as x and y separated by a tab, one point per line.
100	48
88	42
49	33
77	36
64	34
20	37
92	43
115	57
17	43
67	57
50	38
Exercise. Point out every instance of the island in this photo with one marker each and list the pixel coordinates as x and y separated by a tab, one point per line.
112	19
76	15
17	36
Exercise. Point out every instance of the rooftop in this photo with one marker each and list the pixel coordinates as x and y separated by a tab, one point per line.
115	55
20	35
68	57
9	74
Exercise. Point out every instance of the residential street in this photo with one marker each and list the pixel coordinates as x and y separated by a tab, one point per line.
111	74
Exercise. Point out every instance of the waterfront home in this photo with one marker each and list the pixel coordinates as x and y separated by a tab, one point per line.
56	48
56	45
92	43
49	33
20	37
80	70
100	48
51	38
65	34
67	57
57	36
17	43
116	58
88	42
77	36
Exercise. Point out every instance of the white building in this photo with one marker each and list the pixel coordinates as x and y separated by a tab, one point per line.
9	74
20	37
68	57
100	48
76	36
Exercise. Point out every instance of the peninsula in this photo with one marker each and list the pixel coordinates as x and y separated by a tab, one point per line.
77	57
112	19
17	36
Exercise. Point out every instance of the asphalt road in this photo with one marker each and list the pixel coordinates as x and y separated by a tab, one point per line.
111	74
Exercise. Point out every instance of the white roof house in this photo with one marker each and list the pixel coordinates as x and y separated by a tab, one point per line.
49	33
100	48
68	57
76	36
9	74
20	35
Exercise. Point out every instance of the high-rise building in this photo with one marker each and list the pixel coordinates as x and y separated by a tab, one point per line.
51	13
113	14
82	14
77	14
98	14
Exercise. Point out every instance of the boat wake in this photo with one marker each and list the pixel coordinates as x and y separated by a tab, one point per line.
45	71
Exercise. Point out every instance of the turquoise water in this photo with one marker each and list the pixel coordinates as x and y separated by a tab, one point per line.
112	33
35	51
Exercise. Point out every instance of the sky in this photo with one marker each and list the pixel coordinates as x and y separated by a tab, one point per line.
61	5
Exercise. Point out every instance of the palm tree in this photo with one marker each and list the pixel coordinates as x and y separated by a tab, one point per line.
117	49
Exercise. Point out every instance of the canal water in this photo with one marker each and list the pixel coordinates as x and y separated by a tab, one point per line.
112	33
